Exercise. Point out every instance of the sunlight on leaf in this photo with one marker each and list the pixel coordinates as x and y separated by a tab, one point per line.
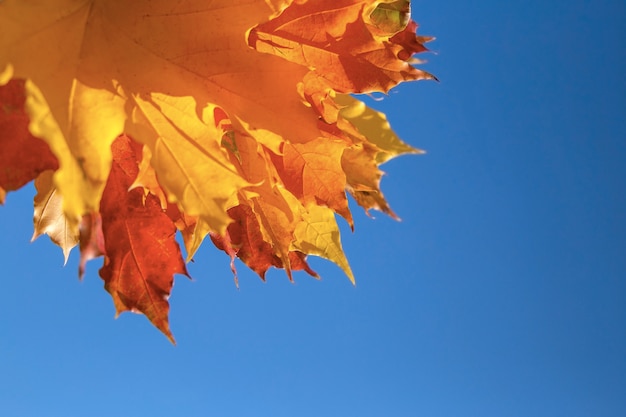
230	119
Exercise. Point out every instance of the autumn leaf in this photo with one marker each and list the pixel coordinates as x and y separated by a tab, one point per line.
245	241
141	253
391	17
230	119
333	40
312	171
375	127
49	217
91	240
23	156
318	234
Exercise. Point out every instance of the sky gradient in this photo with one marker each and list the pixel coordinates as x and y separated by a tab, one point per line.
501	293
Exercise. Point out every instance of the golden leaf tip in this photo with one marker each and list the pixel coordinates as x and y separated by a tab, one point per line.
6	74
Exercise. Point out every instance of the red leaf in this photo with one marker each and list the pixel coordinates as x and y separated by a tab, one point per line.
23	156
91	240
245	241
141	252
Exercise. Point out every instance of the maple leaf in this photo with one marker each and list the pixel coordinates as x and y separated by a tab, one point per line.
312	171
49	217
245	241
23	156
333	39
141	253
91	240
138	119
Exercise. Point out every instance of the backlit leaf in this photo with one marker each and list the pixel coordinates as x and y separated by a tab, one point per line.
390	18
142	255
374	126
232	119
318	234
91	240
49	217
23	156
331	38
313	173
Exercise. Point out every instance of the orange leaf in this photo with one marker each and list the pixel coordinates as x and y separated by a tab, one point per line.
332	39
410	43
313	173
363	176
141	253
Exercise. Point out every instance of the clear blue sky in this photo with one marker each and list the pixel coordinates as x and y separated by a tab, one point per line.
501	293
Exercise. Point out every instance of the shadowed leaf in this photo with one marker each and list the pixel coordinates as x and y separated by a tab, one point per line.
23	156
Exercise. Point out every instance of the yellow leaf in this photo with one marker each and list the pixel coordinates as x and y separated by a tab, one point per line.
49	217
194	239
363	175
373	125
188	158
317	234
6	74
276	218
146	178
83	193
391	17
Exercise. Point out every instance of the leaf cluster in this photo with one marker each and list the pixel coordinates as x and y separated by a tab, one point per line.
228	119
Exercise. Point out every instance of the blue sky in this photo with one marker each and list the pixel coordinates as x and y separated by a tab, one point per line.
501	293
